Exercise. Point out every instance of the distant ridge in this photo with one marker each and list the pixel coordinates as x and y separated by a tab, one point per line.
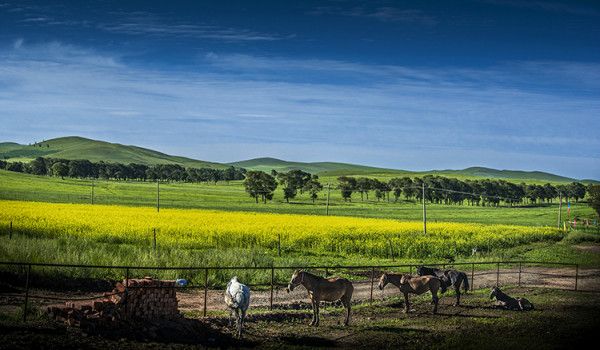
338	169
75	147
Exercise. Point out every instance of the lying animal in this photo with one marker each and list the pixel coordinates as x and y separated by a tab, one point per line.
510	303
237	298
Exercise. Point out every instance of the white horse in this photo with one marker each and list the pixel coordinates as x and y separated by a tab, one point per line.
237	298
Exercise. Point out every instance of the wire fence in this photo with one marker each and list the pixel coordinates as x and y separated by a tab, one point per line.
26	284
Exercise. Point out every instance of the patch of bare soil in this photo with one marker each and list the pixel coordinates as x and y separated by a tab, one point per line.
590	248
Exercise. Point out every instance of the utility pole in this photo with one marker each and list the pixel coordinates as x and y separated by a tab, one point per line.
559	209
158	195
327	205
424	212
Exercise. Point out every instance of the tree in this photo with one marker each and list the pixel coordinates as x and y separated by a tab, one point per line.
260	184
60	169
594	197
313	187
347	185
364	185
38	166
576	191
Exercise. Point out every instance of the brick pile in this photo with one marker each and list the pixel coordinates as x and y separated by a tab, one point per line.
144	299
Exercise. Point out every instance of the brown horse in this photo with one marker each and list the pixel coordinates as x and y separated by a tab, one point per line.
414	285
323	289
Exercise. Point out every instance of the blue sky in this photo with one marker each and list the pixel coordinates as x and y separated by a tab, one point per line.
412	85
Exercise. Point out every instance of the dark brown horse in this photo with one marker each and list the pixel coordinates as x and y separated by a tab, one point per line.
413	285
323	289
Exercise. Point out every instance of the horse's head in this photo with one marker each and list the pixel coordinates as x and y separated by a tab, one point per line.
383	281
296	280
494	292
421	270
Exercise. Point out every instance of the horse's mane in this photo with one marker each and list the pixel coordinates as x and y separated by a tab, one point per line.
312	274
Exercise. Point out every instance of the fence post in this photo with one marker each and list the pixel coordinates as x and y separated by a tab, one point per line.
205	289
497	274
576	276
520	269
472	275
272	283
10	231
26	293
372	282
126	290
154	242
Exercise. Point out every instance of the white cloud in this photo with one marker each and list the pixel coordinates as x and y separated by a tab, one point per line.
406	117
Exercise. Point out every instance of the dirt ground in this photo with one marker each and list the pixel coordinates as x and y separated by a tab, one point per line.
561	319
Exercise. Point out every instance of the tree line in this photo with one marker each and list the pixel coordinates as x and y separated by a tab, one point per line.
438	189
118	171
445	190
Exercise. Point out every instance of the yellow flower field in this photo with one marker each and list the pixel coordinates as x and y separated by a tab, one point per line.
186	228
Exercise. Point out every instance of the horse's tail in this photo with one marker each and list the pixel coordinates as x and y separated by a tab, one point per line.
465	282
443	285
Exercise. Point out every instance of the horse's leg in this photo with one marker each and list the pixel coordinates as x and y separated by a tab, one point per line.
314	309
406	304
457	289
347	305
317	316
435	299
231	317
241	327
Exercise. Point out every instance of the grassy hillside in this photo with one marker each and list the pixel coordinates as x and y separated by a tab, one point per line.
267	164
331	170
74	147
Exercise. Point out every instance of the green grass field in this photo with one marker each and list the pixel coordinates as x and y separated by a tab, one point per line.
231	196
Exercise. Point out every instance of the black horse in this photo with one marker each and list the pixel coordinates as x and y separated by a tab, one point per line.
451	278
510	303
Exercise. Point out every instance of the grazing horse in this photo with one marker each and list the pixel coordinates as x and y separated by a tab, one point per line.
510	303
237	298
323	289
414	285
450	278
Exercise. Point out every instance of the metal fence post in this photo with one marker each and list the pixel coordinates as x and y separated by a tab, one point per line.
497	274
372	282
576	276
26	293
472	275
205	290
272	283
520	269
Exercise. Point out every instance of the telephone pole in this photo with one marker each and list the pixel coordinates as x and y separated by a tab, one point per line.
158	195
327	205
424	212
559	209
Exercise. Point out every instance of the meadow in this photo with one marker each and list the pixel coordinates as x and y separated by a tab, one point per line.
231	196
118	235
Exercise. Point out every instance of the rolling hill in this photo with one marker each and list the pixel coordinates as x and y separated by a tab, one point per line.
338	169
74	147
267	164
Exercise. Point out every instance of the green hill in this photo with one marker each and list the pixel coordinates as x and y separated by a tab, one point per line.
267	164
332	169
74	147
